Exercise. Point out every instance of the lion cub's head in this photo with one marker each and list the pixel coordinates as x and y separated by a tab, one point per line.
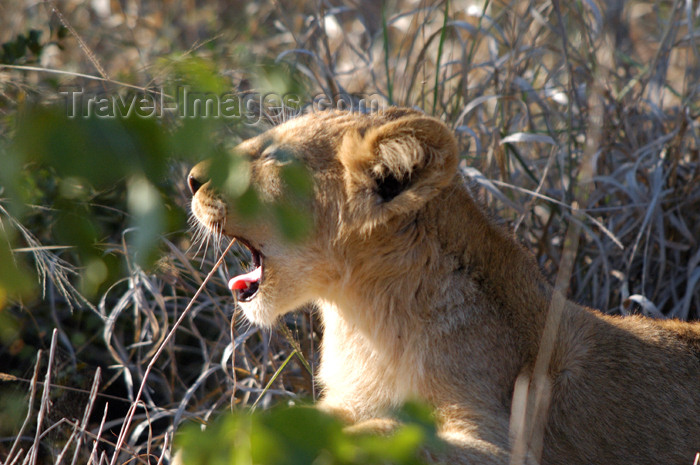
371	174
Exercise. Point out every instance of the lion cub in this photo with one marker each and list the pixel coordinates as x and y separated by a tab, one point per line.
423	297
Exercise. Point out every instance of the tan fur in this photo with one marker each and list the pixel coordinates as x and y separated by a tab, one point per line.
422	296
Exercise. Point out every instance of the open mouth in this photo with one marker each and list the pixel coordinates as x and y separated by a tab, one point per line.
246	285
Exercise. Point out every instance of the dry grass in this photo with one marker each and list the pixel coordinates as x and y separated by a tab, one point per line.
579	115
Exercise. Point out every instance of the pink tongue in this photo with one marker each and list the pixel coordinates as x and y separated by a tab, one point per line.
243	281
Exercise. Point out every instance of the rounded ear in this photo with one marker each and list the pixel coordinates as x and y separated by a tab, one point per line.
397	167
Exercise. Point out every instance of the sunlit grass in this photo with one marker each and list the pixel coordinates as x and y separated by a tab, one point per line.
555	105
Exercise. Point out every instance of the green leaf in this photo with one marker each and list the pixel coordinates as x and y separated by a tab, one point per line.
300	435
293	212
279	80
147	218
13	408
293	221
15	276
101	151
199	75
297	179
229	174
248	205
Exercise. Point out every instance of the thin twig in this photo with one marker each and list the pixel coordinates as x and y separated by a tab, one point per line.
44	408
30	408
132	410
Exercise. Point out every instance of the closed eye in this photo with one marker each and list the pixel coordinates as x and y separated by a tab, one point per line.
277	155
269	152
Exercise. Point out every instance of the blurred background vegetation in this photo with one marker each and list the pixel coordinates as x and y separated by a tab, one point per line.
96	261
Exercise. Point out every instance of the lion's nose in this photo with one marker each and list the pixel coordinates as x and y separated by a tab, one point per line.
194	184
